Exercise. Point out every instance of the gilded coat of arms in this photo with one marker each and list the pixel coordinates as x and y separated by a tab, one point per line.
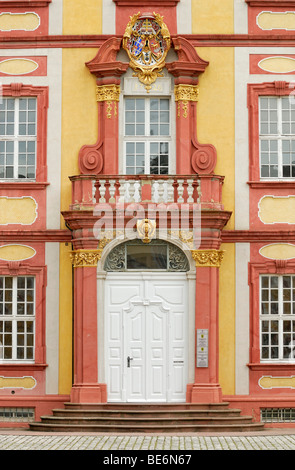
147	42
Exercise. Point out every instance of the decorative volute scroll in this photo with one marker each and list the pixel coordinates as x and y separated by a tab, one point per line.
107	71
186	71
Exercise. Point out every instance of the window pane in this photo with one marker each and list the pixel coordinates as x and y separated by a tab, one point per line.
277	119
14	299
134	117
277	336
14	153
147	257
159	117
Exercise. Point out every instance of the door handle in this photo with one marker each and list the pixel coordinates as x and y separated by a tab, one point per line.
128	360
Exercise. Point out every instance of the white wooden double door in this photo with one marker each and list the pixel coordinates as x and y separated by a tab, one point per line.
146	337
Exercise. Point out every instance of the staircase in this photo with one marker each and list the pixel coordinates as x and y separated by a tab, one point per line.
146	418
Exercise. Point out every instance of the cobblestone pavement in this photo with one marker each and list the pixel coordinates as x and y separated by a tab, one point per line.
10	440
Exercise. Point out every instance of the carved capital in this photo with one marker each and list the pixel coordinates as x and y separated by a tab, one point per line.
186	92
207	258
85	258
108	92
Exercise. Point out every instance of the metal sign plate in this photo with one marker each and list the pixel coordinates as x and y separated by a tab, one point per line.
202	348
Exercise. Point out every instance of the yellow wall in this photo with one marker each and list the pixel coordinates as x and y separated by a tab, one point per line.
79	127
213	17
79	114
82	16
216	125
216	116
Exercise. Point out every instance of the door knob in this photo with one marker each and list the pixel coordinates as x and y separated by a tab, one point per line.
128	360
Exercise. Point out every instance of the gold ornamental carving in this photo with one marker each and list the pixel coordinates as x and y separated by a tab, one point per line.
147	41
146	230
184	94
186	237
207	258
85	258
106	236
110	94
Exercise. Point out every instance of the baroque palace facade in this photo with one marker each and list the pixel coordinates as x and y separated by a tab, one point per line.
147	201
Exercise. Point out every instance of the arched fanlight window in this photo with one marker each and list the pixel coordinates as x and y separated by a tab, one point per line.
157	255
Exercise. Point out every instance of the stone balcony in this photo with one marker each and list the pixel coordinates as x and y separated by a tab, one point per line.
90	190
176	201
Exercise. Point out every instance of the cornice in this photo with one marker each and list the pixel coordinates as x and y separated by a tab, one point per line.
29	185
58	236
272	184
257	236
271	3
263	366
146	3
24	3
196	40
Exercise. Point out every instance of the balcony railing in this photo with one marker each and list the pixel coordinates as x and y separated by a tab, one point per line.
146	188
88	190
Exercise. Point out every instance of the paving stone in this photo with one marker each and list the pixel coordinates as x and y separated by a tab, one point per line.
131	442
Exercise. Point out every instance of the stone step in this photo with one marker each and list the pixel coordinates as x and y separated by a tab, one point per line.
43	427
147	406
143	417
122	413
177	421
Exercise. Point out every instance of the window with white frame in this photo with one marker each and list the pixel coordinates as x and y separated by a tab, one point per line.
277	137
147	136
18	138
277	317
17	318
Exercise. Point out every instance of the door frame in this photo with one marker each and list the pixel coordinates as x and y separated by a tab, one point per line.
191	290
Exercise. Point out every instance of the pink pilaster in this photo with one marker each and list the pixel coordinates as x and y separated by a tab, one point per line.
86	389
206	388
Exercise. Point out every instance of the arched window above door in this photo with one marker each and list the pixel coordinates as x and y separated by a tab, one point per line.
158	255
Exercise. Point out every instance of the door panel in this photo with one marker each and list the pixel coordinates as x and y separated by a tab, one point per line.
134	322
156	329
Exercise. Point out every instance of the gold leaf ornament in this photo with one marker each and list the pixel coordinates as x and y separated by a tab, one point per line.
207	258
147	41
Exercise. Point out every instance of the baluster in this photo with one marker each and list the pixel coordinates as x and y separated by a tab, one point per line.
122	190
102	191
180	190
153	195
199	192
112	191
94	189
190	190
170	190
139	191
161	189
131	190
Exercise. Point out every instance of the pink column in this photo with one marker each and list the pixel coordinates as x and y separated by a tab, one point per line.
206	388
86	389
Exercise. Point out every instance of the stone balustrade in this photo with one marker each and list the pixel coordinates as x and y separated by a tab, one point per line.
88	190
